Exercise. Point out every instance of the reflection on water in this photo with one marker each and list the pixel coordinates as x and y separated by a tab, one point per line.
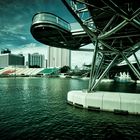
36	108
128	87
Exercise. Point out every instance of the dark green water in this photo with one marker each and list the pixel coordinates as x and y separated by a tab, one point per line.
36	108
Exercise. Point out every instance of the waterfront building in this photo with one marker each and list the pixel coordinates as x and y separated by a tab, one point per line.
58	57
36	60
8	59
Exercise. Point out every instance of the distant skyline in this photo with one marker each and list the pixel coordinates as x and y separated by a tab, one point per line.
78	58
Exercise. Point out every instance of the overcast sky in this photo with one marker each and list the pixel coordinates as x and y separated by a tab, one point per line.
16	17
15	22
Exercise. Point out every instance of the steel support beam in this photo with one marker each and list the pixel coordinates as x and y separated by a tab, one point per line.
93	64
109	23
124	36
115	8
96	75
100	65
86	29
134	48
138	63
123	14
107	46
136	13
131	66
136	22
104	73
114	30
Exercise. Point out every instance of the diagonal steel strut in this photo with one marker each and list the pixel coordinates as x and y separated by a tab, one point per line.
104	73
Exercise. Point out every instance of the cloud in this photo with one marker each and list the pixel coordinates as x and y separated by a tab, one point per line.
80	57
31	48
23	38
13	29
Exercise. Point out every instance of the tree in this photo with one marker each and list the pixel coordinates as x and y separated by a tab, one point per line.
65	69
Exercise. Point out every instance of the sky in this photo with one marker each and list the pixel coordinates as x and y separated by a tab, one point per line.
15	22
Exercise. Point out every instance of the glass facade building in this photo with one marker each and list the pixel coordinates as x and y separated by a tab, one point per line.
36	60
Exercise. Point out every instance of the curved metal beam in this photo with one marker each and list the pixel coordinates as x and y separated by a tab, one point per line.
115	8
109	23
114	30
87	30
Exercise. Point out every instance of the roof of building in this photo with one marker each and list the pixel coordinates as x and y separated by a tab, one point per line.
49	70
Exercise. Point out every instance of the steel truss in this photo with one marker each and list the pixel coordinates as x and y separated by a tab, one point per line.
113	41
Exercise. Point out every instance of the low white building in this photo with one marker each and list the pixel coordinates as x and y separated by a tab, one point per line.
8	59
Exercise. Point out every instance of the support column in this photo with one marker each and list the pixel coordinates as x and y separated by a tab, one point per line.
96	74
93	64
99	67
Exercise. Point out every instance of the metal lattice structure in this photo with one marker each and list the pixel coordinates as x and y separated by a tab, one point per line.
113	26
115	32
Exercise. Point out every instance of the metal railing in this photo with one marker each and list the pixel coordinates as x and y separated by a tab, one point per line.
45	17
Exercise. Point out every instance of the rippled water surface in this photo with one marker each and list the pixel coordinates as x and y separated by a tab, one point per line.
36	108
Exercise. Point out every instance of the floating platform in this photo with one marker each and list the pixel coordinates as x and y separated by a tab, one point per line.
117	102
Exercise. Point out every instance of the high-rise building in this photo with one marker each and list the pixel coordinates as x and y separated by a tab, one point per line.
8	59
36	60
58	57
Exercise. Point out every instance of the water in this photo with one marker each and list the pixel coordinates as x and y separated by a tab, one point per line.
36	108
